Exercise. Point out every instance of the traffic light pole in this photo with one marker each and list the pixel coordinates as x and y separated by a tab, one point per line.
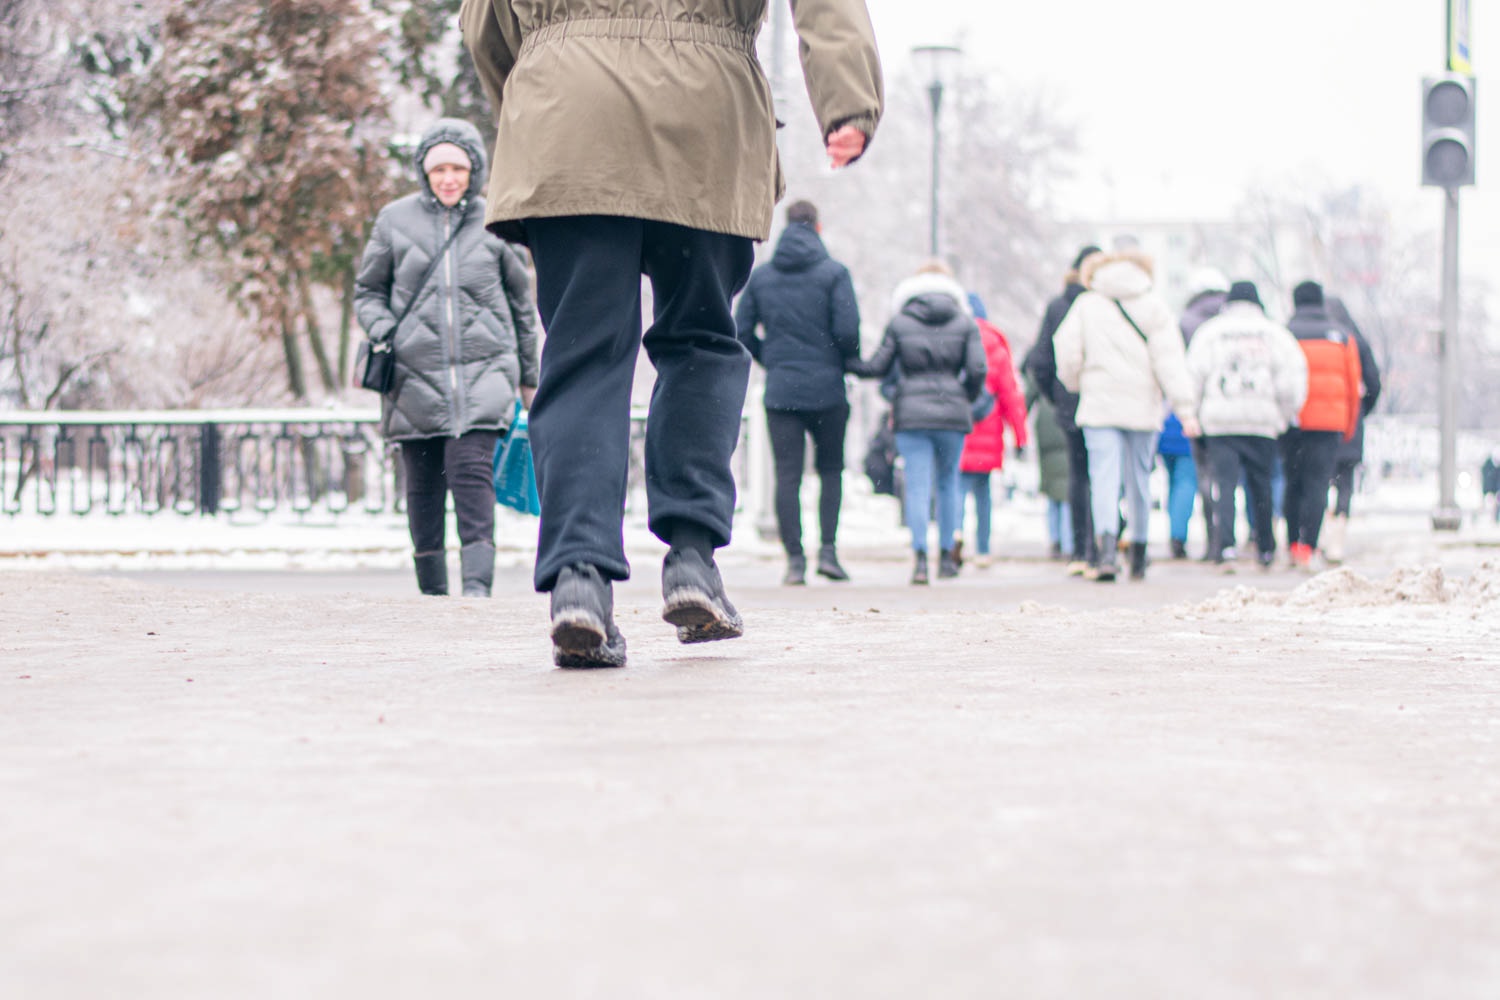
1448	517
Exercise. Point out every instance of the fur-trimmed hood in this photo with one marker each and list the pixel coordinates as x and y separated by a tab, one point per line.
1121	274
920	286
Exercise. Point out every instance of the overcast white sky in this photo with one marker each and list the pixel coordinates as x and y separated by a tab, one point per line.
1180	103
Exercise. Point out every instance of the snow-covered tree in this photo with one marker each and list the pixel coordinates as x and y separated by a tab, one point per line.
273	123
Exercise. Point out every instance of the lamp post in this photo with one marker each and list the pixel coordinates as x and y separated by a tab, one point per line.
934	63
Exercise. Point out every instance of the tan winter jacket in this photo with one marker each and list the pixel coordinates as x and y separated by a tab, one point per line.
1120	375
654	109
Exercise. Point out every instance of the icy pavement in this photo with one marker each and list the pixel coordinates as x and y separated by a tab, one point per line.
1011	785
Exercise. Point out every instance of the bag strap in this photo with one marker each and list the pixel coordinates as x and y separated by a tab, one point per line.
426	277
1121	306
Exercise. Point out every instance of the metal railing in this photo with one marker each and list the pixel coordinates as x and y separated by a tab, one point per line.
217	461
204	461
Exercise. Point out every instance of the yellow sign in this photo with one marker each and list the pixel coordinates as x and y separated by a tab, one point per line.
1459	56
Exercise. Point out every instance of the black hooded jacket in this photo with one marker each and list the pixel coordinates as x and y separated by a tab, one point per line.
936	346
1041	360
804	302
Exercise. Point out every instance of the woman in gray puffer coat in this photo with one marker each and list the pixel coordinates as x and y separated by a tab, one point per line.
934	345
465	345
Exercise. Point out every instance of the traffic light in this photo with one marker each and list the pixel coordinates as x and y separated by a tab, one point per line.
1448	130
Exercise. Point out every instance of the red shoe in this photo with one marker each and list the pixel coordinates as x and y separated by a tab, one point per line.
1301	554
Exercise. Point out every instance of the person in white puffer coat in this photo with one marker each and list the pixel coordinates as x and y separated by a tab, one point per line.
1119	348
1249	384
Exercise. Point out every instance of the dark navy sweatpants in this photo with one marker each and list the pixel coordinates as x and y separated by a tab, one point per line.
589	295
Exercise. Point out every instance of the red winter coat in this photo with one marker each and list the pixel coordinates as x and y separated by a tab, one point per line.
984	448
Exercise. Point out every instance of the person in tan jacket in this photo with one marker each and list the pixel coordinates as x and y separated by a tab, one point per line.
638	137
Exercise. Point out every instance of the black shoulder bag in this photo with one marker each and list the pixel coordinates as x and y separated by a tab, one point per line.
1121	306
377	358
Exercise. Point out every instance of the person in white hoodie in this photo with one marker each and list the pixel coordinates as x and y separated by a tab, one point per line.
1119	348
1249	383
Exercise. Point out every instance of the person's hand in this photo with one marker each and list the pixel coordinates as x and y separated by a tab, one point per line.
845	146
1190	426
528	393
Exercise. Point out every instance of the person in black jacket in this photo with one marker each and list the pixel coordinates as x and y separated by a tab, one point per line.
935	344
1351	453
804	302
1041	361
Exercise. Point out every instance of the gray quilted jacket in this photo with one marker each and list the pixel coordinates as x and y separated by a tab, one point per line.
469	339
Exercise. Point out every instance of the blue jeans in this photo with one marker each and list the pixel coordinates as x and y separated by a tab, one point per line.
1059	525
1182	491
977	483
1119	457
928	457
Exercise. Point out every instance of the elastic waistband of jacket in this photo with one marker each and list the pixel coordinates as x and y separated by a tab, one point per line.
650	29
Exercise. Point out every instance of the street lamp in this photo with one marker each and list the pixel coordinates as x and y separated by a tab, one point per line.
934	63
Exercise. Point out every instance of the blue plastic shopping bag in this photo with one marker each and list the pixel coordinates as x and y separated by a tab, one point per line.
515	476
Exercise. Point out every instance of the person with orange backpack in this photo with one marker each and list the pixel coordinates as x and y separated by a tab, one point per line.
1329	416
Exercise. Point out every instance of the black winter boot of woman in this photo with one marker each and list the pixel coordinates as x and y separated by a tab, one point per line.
1106	560
828	564
919	573
432	573
1138	560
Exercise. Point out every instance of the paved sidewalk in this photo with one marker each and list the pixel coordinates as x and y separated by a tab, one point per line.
1180	788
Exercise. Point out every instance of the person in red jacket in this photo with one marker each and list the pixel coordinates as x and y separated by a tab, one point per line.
984	448
1309	450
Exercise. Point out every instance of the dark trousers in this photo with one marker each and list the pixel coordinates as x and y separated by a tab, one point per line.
1202	459
1309	458
1343	484
790	430
463	466
1080	497
588	271
1231	456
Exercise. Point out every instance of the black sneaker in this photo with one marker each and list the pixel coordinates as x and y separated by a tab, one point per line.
693	599
583	625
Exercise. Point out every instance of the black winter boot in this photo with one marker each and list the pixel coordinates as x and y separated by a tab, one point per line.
1106	561
694	600
828	564
948	564
796	571
919	572
432	573
1138	561
477	563
1179	549
583	621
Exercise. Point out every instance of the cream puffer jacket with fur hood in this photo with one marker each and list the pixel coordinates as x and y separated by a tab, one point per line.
1120	374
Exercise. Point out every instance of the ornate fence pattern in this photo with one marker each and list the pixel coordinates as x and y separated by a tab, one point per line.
214	461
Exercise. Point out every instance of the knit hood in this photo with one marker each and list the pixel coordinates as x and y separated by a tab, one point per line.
464	136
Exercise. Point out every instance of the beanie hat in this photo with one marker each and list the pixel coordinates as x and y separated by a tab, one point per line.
1244	291
1084	255
1309	293
445	153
